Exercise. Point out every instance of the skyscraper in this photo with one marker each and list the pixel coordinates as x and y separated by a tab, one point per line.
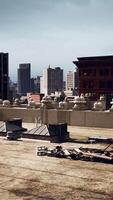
52	80
4	77
24	74
72	81
35	85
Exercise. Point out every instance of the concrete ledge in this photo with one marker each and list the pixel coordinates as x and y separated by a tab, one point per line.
98	119
77	118
27	115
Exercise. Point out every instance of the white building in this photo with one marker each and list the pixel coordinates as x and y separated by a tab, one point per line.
72	81
52	80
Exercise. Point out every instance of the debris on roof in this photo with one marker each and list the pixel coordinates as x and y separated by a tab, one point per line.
85	154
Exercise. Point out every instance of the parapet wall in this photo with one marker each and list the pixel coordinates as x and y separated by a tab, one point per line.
27	115
102	119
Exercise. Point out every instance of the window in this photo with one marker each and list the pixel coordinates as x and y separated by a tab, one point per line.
109	84
111	71
104	72
106	85
102	84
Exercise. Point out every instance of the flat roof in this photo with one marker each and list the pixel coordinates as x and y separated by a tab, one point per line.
96	58
93	59
24	175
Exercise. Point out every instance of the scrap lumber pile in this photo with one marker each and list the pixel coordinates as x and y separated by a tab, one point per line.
100	139
85	154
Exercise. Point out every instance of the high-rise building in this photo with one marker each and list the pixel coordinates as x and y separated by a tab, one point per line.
64	85
42	85
52	80
32	85
72	81
24	74
4	77
12	90
35	85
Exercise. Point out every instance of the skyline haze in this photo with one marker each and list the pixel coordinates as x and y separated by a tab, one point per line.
54	32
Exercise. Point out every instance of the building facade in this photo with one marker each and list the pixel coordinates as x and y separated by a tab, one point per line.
52	80
12	90
35	85
95	75
24	74
72	81
4	76
37	97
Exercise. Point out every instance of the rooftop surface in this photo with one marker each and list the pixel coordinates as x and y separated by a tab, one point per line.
96	58
26	176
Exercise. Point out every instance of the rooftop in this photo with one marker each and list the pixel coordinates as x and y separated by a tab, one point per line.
24	175
96	58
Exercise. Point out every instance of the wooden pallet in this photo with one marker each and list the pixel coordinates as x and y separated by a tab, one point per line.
40	132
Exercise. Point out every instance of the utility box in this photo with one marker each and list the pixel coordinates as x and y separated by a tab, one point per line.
14	124
58	132
14	128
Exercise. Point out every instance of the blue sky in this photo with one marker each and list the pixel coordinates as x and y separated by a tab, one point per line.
54	32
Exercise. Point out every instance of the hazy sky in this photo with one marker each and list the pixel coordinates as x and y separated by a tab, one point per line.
54	32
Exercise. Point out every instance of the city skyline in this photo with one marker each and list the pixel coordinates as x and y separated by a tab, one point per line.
43	32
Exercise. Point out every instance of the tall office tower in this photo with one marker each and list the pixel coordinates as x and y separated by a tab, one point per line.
72	81
24	74
58	79
64	85
35	84
4	77
32	85
52	80
42	85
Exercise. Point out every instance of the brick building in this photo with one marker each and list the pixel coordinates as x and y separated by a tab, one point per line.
95	76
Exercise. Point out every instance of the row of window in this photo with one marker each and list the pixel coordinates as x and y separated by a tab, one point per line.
107	84
102	84
94	72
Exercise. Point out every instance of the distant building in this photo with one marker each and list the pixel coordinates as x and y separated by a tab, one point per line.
32	85
96	76
35	84
12	91
41	85
52	80
35	97
4	76
72	81
24	74
64	85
